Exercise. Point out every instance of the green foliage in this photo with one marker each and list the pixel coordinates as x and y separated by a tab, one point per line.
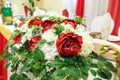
58	29
16	76
50	43
59	19
104	74
78	19
94	73
36	30
41	42
97	79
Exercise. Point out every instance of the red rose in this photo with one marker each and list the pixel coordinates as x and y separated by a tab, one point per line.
37	22
20	25
71	22
69	44
47	24
17	39
34	40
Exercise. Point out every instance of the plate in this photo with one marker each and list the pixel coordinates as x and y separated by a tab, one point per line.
113	38
110	50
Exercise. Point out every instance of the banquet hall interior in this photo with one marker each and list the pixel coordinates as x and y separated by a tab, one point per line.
101	18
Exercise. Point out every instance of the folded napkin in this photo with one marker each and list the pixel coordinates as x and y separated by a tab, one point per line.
38	12
105	26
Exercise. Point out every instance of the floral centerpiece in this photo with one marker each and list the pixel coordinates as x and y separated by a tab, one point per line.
54	48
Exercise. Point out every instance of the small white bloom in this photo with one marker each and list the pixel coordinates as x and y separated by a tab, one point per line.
24	27
29	34
45	18
80	28
95	61
49	35
67	28
50	51
87	45
18	45
23	39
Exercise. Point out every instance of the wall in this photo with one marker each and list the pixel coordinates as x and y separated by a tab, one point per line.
49	5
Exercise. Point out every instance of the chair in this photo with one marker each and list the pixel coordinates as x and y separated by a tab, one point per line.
97	23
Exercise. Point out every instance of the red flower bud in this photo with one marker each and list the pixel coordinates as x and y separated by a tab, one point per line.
34	40
71	22
47	24
37	22
17	39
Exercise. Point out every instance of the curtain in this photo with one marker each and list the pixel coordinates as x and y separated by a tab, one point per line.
3	70
94	8
114	9
80	8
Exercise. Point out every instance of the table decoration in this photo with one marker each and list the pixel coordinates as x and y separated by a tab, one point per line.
55	48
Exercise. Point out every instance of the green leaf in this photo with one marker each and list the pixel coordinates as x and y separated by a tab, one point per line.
93	72
7	65
38	54
53	18
23	77
110	66
78	19
25	52
32	3
58	75
14	59
8	56
85	69
50	43
14	76
59	19
13	50
72	72
13	67
101	58
104	74
58	29
36	30
57	63
101	65
41	42
36	65
43	72
25	67
97	79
